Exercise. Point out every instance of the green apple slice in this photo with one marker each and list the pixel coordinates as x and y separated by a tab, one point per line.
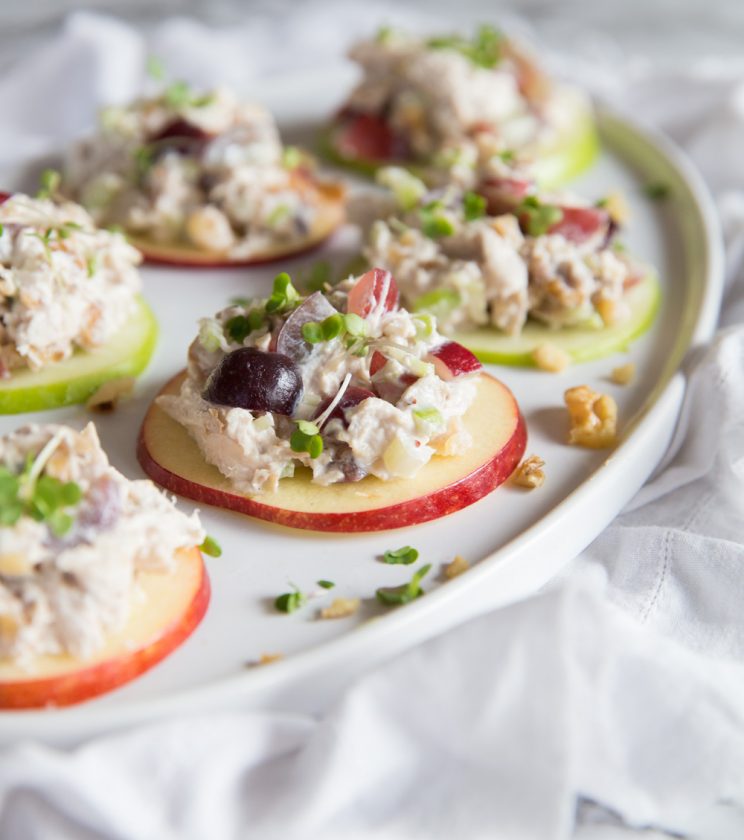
581	343
77	378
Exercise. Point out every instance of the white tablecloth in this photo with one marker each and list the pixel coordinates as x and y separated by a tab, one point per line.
610	704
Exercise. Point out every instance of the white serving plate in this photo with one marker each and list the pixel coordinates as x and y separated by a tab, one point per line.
515	540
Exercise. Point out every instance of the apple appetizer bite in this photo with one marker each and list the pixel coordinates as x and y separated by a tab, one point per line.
456	108
100	577
71	317
202	180
333	413
511	271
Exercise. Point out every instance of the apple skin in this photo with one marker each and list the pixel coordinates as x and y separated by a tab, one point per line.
441	501
90	681
451	360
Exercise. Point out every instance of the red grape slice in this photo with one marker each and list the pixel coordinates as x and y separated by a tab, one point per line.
290	341
375	287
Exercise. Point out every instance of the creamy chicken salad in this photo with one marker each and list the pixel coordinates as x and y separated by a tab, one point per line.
464	106
74	535
64	283
347	384
500	260
205	171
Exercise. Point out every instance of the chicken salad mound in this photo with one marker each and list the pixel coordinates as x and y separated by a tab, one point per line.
201	171
74	536
347	384
461	106
501	257
64	283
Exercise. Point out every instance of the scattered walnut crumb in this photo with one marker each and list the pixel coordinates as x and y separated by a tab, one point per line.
530	473
340	608
593	418
107	397
549	357
623	374
458	565
617	206
608	311
266	659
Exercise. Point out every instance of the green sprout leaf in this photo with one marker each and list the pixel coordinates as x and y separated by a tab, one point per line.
49	183
435	223
401	556
326	584
211	547
284	295
473	206
539	217
290	601
396	595
484	50
306	438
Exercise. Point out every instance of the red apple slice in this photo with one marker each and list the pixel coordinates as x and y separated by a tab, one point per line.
330	216
169	455
172	607
373	288
452	359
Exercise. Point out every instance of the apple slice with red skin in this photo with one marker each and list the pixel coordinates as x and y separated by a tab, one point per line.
374	288
172	607
171	457
451	360
330	216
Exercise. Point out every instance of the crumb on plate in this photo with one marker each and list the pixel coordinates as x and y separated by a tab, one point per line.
593	418
623	374
456	567
107	396
550	357
340	608
530	473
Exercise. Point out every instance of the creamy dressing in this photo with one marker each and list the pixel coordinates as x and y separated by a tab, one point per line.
64	594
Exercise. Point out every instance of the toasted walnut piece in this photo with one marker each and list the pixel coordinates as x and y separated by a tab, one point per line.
458	565
340	608
623	374
265	659
608	311
107	397
530	473
14	564
593	418
549	357
617	206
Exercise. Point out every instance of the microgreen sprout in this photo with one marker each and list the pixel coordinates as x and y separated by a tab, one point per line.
283	296
49	183
508	155
211	547
473	206
539	217
239	327
349	325
306	438
484	49
290	601
400	556
326	584
435	222
35	494
395	595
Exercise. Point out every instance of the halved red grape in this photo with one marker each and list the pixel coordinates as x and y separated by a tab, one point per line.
289	340
368	137
182	136
256	380
376	287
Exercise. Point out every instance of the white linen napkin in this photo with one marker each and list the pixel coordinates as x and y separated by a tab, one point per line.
611	704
